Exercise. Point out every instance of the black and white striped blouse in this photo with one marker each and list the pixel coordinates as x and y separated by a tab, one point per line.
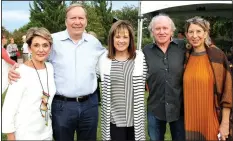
138	85
122	93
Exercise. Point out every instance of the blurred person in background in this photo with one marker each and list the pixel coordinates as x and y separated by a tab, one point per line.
6	63
12	49
25	49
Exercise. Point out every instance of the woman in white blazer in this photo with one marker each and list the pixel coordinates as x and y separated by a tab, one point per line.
122	70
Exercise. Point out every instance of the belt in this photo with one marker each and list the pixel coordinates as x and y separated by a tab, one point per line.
78	99
25	53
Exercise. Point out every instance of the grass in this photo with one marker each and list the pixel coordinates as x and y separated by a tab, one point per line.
167	135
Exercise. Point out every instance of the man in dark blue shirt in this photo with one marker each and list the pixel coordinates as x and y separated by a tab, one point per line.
165	60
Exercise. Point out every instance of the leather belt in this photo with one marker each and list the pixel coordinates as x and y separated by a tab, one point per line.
78	99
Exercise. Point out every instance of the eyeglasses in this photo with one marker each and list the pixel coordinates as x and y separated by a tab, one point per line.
44	107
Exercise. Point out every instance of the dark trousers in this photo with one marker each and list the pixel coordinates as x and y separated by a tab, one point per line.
14	58
121	133
71	116
98	90
157	128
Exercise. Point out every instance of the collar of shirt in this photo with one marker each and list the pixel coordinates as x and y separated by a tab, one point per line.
172	41
65	35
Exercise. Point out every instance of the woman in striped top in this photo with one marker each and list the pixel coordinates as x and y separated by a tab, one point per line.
207	86
122	70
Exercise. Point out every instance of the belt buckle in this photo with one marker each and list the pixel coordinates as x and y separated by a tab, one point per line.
78	98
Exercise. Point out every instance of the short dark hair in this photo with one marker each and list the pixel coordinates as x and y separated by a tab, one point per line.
181	32
118	25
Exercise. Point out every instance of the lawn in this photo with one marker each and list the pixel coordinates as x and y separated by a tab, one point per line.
167	135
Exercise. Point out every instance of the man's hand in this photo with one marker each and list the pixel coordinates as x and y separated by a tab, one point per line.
13	75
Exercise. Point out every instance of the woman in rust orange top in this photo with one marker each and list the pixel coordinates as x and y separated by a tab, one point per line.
207	85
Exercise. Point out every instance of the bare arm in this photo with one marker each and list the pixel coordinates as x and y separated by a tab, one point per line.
6	57
224	126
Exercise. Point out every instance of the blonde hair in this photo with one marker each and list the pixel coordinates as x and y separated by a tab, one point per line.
41	32
75	5
204	24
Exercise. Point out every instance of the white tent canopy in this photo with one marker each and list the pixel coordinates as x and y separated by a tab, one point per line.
183	9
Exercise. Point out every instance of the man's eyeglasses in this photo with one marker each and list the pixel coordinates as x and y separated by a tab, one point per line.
44	107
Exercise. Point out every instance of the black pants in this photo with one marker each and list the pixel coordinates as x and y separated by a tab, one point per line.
121	133
98	90
14	58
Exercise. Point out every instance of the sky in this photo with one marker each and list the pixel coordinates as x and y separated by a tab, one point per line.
15	14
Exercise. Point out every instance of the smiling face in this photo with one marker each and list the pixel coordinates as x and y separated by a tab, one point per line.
40	49
76	21
196	35
121	40
162	30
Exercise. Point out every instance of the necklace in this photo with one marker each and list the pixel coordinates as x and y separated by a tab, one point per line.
45	96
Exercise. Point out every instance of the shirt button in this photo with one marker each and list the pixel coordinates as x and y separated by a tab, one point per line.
166	103
166	69
165	58
166	81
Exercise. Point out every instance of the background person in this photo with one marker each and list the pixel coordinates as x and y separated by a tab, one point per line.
26	109
207	85
25	49
6	63
12	49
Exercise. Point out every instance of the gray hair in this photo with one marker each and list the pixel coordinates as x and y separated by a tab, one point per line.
155	18
75	5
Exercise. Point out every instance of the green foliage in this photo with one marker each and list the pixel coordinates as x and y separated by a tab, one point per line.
5	31
94	23
129	13
104	12
146	41
48	14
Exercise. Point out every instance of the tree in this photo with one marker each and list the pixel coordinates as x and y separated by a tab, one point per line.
48	14
94	22
129	13
104	11
5	31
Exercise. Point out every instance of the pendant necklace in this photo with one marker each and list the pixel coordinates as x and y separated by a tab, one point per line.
45	97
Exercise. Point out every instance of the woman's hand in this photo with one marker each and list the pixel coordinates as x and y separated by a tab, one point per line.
224	130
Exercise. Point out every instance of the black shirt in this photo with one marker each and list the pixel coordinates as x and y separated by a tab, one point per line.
165	77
